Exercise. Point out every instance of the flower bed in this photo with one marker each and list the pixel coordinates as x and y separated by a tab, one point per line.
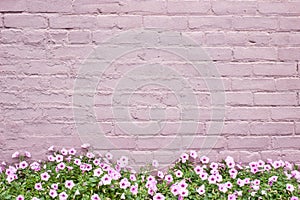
67	175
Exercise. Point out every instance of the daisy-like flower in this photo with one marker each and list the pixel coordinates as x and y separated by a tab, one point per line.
98	172
23	164
53	193
20	197
106	180
54	186
95	197
169	178
27	154
134	189
64	151
15	155
193	154
204	160
201	190
85	146
72	151
45	176
290	187
51	148
59	158
63	196
178	174
158	196
38	186
109	156
155	163
69	184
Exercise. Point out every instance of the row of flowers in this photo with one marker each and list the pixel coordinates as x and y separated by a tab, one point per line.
89	176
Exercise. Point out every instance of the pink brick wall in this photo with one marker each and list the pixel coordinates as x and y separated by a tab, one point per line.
254	45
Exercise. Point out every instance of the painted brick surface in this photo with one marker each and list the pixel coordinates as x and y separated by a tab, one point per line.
254	46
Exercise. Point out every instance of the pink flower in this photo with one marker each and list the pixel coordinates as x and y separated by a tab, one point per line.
98	172
95	197
124	183
15	155
155	163
175	190
27	154
54	186
20	197
90	155
72	151
201	189
59	158
169	178
106	180
77	161
85	146
193	154
132	177
290	187
64	151
184	193
45	176
53	193
61	166
212	179
63	196
134	189
294	198
160	174
158	196
231	197
109	156
38	186
51	158
184	157
51	148
204	159
178	174
23	164
69	184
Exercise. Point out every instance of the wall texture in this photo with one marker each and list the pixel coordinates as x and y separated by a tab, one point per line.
255	45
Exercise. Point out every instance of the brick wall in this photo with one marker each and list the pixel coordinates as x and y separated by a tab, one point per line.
254	45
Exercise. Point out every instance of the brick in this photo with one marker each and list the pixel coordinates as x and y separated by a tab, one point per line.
218	53
289	23
271	154
249	156
254	23
55	6
210	23
286	142
297	128
282	8
34	37
275	99
69	22
234	7
254	53
165	22
255	143
294	39
96	6
287	84
291	155
274	69
286	113
230	128
188	7
290	53
144	7
271	128
158	143
239	98
57	36
203	142
70	52
257	84
247	113
182	128
12	5
100	36
79	37
23	52
280	39
11	36
24	21
234	69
